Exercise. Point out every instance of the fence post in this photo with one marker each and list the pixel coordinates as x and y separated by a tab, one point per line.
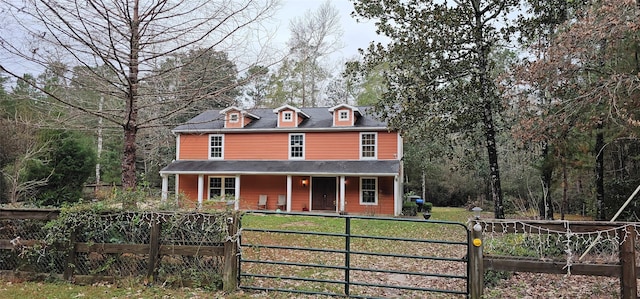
628	282
154	247
347	255
230	271
476	266
70	262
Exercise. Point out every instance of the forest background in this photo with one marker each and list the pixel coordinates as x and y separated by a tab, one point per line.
517	106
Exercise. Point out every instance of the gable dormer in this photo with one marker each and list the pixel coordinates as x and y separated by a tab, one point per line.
235	117
289	116
344	115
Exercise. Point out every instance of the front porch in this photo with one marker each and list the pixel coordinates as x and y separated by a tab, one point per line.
353	186
313	193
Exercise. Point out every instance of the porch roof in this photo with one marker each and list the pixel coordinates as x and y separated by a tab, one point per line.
290	167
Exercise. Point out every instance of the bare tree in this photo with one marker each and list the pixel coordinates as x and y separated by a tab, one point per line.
130	39
314	36
26	150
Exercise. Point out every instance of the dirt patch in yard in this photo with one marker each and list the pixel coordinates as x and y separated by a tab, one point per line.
300	223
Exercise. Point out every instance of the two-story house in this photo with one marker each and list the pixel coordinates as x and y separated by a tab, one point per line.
339	159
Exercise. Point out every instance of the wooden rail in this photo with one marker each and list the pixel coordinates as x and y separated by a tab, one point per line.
227	249
626	268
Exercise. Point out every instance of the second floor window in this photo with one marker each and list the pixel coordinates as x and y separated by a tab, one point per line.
216	146
296	146
368	145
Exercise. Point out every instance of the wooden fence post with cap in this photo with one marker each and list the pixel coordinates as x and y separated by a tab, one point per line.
628	282
231	258
154	248
70	261
476	267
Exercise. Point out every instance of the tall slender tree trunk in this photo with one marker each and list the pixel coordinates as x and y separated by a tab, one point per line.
424	185
99	151
599	172
492	151
485	97
130	125
545	206
565	185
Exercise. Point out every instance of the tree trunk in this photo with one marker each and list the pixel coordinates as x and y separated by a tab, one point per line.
485	98
99	151
130	126
545	206
424	186
565	184
492	151
599	172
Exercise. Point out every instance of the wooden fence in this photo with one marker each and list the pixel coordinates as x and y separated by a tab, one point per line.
624	267
153	250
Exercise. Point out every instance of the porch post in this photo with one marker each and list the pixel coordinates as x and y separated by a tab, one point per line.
177	184
342	194
200	189
397	195
236	205
165	187
289	186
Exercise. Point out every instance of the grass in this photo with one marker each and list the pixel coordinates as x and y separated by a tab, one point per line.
381	227
63	290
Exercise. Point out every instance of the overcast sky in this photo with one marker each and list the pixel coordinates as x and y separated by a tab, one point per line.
356	35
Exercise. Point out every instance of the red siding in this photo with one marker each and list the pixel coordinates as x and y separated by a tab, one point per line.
188	186
194	147
275	146
247	120
252	186
387	146
256	146
299	194
332	146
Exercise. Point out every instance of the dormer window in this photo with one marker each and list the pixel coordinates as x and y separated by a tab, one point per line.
343	115
234	117
287	116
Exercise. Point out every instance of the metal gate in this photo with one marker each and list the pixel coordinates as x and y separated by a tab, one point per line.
353	256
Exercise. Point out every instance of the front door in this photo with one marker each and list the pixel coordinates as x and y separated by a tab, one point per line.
323	196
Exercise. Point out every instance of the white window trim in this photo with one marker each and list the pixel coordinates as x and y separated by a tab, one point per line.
347	111
236	115
375	203
304	142
222	141
375	153
222	178
290	113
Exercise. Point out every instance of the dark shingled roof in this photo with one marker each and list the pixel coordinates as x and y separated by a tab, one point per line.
362	167
319	118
